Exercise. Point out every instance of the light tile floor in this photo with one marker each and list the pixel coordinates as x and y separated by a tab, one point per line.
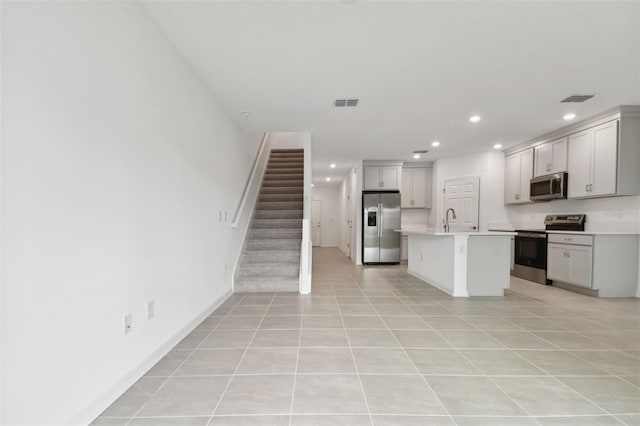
375	346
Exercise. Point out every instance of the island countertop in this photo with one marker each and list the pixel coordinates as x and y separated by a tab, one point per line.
438	233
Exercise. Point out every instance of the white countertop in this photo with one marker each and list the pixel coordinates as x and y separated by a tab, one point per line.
596	232
506	228
428	231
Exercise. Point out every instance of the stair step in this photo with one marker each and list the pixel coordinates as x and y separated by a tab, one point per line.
276	223
273	244
283	176
280	197
274	270
279	205
275	233
284	171
261	256
282	183
281	190
285	164
278	214
266	284
285	150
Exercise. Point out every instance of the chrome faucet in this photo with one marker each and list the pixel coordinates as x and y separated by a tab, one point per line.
446	218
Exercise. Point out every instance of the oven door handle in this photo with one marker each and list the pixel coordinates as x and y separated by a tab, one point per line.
531	235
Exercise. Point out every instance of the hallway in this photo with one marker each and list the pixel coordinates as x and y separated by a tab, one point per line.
375	346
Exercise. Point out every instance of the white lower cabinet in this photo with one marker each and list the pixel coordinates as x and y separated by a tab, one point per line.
570	264
606	264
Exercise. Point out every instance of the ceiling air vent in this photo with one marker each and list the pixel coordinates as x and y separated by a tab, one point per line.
577	98
343	103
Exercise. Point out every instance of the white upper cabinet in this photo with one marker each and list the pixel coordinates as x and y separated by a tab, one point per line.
593	161
600	155
381	177
518	173
416	188
551	157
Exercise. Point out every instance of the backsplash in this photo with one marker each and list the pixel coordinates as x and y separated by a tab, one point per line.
413	217
603	214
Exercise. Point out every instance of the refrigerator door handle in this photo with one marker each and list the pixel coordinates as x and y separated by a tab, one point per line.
379	221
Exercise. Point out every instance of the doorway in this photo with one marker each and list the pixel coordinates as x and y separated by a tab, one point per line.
463	196
315	223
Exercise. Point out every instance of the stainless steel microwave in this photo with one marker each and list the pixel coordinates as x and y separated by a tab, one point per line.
549	187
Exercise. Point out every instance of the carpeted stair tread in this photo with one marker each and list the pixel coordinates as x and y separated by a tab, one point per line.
270	260
270	223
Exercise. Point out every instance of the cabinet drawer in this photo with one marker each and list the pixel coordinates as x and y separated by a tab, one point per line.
583	240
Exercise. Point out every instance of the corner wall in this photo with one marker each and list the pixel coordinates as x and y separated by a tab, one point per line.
490	167
116	166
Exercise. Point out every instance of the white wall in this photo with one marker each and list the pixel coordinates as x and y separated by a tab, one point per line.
348	188
115	164
328	195
490	167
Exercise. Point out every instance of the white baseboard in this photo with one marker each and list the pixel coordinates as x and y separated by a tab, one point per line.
431	283
102	402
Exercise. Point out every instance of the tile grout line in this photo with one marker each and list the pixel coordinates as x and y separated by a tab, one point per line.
416	368
240	361
355	364
179	366
295	374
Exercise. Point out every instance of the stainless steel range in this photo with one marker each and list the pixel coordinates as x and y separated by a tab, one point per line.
530	252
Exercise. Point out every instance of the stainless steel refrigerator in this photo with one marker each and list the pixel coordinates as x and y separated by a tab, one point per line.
380	243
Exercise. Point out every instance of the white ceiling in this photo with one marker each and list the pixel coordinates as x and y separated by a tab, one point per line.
420	69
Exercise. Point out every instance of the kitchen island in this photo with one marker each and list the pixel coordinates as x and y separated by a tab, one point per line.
461	264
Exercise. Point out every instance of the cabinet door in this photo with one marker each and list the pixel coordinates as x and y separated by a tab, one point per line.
543	159
389	177
372	178
526	173
579	164
580	258
604	163
420	188
558	262
558	156
406	192
512	179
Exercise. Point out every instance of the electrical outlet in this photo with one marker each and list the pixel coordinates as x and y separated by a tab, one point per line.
128	324
151	309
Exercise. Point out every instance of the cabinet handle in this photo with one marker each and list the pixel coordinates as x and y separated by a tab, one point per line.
568	254
568	239
517	196
590	187
586	188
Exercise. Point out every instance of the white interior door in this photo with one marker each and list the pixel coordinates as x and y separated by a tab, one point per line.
463	196
315	223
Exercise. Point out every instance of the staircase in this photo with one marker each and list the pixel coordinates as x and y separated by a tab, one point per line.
270	260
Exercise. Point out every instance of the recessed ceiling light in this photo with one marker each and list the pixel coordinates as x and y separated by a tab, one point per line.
328	179
569	116
312	185
416	156
497	146
332	165
435	143
475	118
